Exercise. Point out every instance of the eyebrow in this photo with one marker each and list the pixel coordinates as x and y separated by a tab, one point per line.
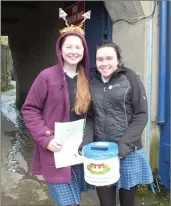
104	57
72	45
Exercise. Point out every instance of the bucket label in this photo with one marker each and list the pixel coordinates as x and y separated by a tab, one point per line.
101	172
98	169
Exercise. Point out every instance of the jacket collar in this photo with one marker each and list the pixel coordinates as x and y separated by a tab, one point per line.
114	75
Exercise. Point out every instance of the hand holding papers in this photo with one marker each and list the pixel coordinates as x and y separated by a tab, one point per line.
69	135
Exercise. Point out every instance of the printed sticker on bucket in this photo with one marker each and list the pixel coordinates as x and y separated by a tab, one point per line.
98	169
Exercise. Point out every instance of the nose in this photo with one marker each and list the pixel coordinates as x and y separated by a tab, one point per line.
73	51
104	63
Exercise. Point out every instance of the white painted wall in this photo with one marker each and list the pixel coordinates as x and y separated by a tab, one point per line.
133	39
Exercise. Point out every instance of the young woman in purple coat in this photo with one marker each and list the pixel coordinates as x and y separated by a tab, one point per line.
57	96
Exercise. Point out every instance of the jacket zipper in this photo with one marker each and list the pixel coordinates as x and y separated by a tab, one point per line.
105	107
105	113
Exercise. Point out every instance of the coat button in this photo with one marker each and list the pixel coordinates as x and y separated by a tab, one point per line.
47	132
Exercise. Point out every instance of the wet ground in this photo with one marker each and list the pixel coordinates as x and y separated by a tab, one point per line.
19	187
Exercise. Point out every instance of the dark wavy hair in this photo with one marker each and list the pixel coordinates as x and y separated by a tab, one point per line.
107	43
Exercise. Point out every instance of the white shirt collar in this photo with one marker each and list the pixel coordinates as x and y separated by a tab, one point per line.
70	75
103	79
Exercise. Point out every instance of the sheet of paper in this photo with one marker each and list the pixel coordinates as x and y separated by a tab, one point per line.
70	135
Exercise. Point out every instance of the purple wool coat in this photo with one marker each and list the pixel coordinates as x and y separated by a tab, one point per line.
46	103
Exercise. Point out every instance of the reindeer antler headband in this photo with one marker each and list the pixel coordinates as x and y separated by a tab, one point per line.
77	28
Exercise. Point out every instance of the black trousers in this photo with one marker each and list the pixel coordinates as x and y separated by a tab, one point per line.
107	196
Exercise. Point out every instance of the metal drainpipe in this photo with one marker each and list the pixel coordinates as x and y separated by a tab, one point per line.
149	83
162	62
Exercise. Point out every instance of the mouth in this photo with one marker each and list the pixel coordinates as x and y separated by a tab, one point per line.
105	69
73	57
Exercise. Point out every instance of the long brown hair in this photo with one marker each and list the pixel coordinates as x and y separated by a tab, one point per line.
83	95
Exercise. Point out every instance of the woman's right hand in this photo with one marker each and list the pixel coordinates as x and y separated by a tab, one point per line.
54	146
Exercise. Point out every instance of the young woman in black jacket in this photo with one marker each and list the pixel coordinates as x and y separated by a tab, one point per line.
120	114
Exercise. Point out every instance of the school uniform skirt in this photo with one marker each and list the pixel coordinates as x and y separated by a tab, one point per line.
134	170
66	194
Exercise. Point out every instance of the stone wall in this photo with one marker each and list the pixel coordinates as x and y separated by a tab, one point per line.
6	67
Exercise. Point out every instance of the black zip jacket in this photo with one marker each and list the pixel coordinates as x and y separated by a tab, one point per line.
119	110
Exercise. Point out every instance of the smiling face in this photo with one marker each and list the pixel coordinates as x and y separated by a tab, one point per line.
106	61
72	50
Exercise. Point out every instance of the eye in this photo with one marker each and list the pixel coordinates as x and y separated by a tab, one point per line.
99	59
109	58
78	47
